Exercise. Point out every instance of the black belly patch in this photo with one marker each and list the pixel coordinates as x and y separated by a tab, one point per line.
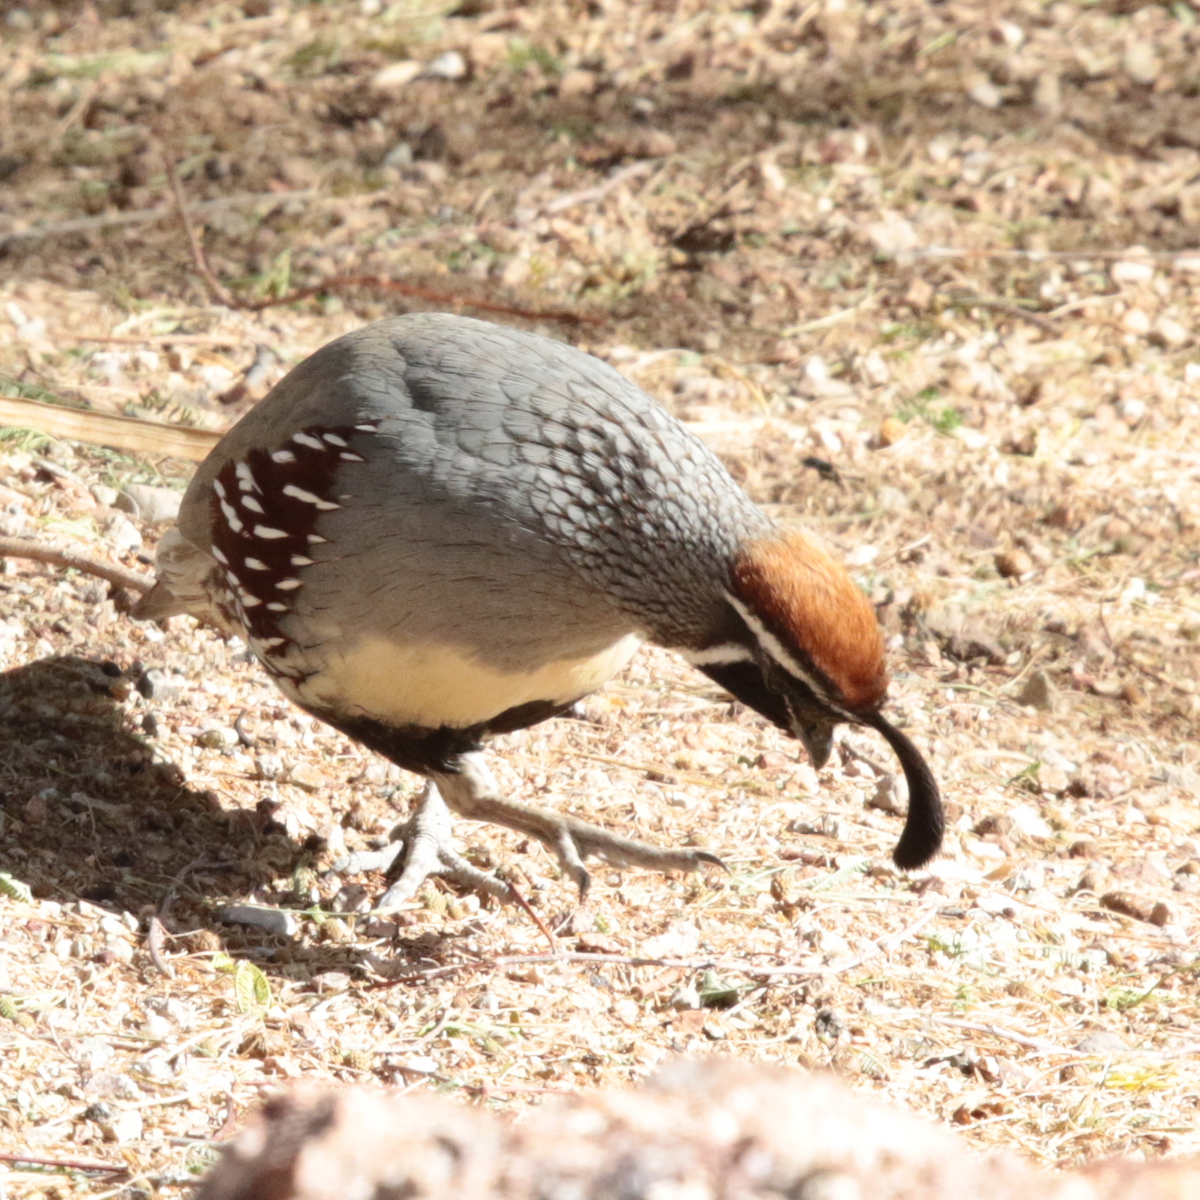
436	751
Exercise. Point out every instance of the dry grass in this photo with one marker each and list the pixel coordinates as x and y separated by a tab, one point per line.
950	250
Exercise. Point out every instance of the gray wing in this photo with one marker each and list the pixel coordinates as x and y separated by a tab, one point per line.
513	482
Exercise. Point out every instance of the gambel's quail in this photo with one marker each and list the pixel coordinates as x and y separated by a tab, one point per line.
437	529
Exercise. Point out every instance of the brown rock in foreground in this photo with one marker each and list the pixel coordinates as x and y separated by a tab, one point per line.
698	1130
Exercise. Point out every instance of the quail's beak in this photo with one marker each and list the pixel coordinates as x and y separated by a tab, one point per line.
816	732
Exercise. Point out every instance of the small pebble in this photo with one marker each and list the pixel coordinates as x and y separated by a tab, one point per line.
157	505
273	920
1013	564
1129	905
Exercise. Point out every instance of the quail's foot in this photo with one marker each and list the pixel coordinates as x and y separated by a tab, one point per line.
423	850
474	793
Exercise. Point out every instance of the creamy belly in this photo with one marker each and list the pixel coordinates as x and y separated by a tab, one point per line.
432	685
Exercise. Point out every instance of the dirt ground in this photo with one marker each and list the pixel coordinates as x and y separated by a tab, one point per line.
926	275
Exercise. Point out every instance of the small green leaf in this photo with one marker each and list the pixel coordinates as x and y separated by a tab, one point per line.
14	889
252	989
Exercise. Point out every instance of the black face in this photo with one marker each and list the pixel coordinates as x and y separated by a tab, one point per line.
783	700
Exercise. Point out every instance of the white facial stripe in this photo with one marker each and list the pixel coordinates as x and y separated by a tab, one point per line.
713	656
776	649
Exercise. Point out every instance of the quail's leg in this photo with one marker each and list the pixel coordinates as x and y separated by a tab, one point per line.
474	793
425	850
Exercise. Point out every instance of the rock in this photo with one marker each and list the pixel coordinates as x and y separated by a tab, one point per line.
258	916
577	83
1128	905
397	76
891	795
1039	692
984	92
450	65
307	777
1170	333
1103	1042
156	684
1014	563
157	505
122	535
268	766
1141	62
892	236
1132	271
217	739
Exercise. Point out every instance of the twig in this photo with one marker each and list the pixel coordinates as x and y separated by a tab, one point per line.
166	339
63	557
147	216
621	960
421	293
67	1164
1008	1035
587	195
1010	310
155	943
218	290
534	916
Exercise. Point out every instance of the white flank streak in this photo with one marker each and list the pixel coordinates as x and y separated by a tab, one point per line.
326	505
304	439
235	522
315	539
714	656
245	478
334	440
288	585
298	493
219	557
265	531
299	560
256	564
350	456
282	456
368	428
252	504
275	606
219	488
